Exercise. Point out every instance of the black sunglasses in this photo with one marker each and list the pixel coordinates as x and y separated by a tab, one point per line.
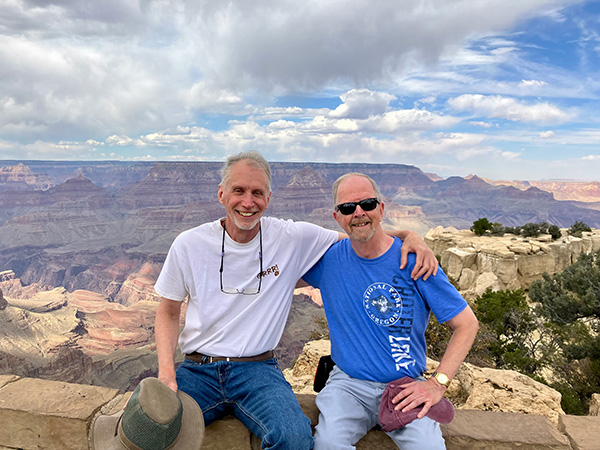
368	204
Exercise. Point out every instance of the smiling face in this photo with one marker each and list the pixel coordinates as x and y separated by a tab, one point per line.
245	196
361	225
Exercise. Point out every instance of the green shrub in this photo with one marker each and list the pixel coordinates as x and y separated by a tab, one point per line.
480	226
578	228
530	230
512	324
555	232
497	229
513	230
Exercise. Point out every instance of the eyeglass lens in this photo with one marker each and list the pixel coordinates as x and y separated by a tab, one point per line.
368	204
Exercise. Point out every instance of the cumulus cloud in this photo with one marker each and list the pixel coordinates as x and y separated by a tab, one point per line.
547	134
495	106
532	83
362	103
481	124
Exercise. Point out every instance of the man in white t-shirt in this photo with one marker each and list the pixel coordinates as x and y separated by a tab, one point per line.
238	276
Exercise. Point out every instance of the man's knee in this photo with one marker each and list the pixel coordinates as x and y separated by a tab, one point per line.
291	437
325	440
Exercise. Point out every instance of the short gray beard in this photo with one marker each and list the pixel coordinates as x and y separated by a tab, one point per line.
245	227
365	238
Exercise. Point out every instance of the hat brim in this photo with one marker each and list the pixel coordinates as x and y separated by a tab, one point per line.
105	435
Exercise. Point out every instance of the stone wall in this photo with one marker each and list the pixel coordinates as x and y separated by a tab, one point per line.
477	263
51	415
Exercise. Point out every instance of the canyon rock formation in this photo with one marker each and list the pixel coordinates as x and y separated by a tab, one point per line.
476	263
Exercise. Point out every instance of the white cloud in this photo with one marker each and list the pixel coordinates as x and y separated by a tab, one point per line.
532	83
362	103
546	134
495	106
204	95
119	140
481	124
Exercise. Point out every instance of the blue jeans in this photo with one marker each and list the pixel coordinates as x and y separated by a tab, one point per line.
349	408
256	393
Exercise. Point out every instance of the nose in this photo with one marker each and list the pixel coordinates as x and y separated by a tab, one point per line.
359	211
247	200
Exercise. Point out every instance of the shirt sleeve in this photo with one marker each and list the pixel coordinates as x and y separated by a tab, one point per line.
171	283
314	241
441	296
313	276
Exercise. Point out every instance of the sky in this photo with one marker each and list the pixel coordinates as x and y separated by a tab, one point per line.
503	89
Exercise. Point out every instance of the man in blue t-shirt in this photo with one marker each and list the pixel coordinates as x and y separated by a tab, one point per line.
377	316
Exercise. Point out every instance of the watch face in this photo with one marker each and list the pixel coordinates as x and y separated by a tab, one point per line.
442	378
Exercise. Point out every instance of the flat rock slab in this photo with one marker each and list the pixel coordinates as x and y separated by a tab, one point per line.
227	434
583	431
5	379
480	430
57	414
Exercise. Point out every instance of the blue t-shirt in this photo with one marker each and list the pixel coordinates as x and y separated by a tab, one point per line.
377	314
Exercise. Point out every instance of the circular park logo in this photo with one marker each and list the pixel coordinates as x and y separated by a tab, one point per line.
383	304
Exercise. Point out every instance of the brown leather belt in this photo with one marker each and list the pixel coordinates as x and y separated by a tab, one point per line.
205	359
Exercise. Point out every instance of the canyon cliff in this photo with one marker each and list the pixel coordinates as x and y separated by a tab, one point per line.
477	263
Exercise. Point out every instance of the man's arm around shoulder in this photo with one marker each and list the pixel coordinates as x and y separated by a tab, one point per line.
166	334
426	264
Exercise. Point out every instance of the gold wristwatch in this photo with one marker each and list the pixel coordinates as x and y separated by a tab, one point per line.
441	378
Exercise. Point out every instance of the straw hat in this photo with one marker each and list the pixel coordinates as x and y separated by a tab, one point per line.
155	418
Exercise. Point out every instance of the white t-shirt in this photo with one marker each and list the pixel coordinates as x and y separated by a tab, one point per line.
236	325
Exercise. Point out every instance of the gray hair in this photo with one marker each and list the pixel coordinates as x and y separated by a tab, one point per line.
350	175
253	158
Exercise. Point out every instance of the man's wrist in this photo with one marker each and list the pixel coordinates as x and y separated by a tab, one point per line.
441	378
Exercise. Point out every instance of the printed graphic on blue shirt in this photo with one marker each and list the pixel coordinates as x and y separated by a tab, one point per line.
383	304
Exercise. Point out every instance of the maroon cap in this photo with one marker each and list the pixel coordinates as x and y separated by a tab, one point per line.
392	419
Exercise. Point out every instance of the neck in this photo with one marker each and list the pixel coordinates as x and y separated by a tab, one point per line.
238	234
374	247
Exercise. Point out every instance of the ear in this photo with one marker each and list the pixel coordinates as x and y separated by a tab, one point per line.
220	194
268	200
337	217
